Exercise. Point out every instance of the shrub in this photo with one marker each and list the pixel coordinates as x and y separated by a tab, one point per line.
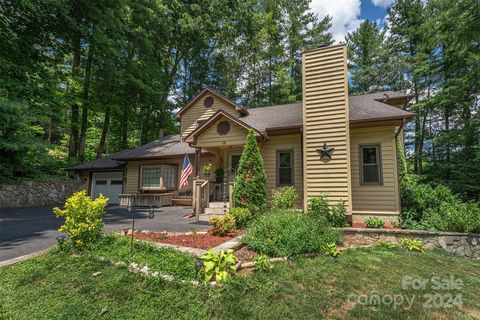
457	217
219	266
83	218
338	214
262	263
412	244
284	198
250	189
285	233
222	225
437	208
319	209
374	222
330	249
242	216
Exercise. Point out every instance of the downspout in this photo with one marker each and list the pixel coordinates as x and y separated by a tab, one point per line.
302	167
402	125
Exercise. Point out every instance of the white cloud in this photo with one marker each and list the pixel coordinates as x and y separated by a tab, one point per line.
382	3
345	15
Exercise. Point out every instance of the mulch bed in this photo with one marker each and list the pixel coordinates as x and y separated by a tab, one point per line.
244	254
199	240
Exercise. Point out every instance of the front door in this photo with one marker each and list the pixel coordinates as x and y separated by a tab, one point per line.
234	161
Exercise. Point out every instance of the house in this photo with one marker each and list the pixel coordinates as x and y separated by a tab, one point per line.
332	143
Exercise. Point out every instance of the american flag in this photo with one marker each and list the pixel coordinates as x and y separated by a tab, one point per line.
186	171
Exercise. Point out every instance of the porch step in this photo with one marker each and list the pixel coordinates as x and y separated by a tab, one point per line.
217	211
207	217
182	201
219	205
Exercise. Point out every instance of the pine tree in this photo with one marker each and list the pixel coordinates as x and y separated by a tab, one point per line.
365	47
250	190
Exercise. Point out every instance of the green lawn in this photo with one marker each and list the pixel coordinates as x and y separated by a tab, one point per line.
61	286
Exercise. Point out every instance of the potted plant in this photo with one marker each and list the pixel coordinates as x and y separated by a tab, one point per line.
206	170
219	174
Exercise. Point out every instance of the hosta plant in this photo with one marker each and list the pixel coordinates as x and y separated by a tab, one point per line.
219	266
262	262
330	249
413	244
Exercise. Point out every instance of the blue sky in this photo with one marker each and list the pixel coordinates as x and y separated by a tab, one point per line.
348	14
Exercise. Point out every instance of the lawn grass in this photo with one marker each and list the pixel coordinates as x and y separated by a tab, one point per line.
165	260
61	286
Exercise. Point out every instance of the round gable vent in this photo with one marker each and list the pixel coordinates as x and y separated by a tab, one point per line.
208	102
223	128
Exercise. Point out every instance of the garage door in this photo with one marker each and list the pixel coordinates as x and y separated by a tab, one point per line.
107	183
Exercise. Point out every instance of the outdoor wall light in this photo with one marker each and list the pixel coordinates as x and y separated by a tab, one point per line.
60	240
151	213
198	267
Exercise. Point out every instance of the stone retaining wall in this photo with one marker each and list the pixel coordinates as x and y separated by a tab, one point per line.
462	244
32	194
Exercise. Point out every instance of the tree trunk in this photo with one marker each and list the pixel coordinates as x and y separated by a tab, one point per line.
103	138
85	96
73	143
124	131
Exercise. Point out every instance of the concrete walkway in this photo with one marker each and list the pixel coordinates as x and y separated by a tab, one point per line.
27	230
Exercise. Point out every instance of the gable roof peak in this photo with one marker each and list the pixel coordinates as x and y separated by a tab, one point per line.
243	111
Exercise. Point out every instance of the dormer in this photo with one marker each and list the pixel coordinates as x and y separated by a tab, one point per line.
202	107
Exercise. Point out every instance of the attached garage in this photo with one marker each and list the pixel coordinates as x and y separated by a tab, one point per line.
110	184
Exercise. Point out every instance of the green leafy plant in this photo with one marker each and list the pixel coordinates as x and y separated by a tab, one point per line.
412	244
337	217
207	168
284	198
319	209
242	216
262	263
222	225
250	189
193	230
83	218
219	266
374	222
330	249
388	245
286	233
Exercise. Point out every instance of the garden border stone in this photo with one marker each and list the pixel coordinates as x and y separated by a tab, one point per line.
461	244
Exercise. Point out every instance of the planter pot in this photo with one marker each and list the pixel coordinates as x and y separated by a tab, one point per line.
207	175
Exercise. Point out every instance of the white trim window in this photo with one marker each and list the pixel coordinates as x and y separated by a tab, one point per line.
370	164
161	177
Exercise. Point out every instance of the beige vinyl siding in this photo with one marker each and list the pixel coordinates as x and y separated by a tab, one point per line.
133	171
210	137
375	199
325	113
269	154
199	112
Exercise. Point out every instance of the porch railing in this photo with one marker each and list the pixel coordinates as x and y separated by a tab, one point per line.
145	200
201	195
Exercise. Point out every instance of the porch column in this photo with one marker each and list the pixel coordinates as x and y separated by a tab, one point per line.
198	152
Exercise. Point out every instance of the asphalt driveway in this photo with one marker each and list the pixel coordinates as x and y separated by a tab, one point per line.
27	230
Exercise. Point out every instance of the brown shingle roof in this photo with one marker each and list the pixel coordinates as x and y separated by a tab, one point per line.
102	163
365	107
165	147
